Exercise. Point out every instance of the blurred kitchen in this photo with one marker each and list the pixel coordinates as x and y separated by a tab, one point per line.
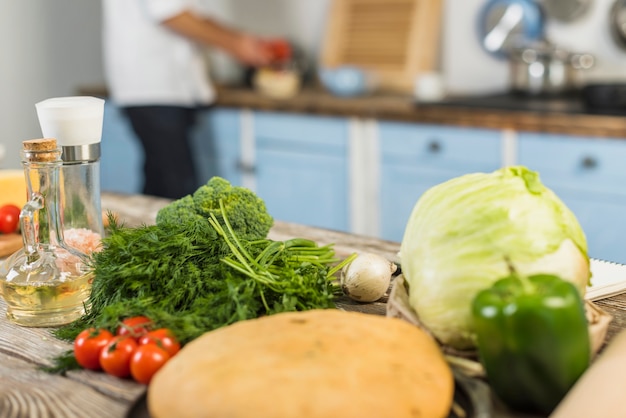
378	101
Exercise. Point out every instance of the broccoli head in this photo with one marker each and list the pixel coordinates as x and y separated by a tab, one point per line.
245	211
180	211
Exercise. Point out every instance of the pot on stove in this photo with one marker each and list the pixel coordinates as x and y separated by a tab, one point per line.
541	68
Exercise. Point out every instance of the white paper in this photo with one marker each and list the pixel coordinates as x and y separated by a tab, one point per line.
608	279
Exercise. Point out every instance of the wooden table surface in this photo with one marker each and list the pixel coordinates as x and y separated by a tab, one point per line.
26	391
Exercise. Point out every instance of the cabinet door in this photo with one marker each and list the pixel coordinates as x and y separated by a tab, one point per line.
122	157
301	168
217	146
588	174
415	158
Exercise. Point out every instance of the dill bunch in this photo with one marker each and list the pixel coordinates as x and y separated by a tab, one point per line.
200	276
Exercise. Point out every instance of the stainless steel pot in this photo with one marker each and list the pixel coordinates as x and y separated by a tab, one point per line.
543	69
617	23
565	10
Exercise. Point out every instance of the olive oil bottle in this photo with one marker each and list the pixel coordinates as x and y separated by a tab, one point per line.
47	282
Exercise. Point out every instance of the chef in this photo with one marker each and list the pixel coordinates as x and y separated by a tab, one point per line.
157	75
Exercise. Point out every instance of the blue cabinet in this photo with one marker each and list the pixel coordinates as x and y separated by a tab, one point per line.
301	164
296	163
589	175
417	157
122	156
301	168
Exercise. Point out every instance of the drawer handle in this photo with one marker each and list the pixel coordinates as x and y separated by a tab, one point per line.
589	162
246	168
434	147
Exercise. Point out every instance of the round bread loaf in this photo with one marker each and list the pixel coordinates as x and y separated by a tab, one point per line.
313	364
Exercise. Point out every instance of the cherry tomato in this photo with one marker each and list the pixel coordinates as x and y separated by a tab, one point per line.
135	326
162	337
9	219
88	345
115	356
146	361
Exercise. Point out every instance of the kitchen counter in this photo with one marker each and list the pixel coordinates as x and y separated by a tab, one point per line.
556	115
564	115
27	391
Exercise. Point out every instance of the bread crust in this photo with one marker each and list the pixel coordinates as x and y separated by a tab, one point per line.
313	364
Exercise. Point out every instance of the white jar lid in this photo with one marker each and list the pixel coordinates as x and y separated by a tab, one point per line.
73	121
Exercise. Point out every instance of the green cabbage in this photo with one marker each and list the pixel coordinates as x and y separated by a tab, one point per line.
462	232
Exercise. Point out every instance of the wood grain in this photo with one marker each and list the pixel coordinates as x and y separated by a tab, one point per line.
394	39
25	391
25	343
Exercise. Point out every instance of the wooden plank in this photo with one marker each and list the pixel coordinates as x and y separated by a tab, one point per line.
25	343
28	392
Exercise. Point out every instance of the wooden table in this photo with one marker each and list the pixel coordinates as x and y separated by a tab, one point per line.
25	391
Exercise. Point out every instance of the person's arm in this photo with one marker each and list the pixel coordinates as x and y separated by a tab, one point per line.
242	46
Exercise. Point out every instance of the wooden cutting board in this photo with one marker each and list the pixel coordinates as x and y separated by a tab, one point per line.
395	39
9	243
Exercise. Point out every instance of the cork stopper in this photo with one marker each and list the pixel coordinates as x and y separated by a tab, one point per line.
41	150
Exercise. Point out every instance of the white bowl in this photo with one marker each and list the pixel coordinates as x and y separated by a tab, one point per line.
346	81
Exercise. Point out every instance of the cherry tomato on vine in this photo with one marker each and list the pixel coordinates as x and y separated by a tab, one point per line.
163	338
115	356
9	219
88	345
146	361
135	326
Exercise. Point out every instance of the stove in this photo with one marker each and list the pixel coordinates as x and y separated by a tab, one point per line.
572	103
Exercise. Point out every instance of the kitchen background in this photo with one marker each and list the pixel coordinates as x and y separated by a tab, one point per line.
50	48
372	168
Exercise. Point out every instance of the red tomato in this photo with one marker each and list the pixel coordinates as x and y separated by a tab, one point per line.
88	345
115	356
162	337
280	49
9	219
135	326
146	361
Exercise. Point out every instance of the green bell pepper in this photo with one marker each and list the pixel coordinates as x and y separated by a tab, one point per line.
532	338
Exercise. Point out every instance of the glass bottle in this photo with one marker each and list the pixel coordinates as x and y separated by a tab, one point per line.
47	282
76	123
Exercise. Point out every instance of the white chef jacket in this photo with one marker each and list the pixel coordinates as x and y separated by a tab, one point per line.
148	64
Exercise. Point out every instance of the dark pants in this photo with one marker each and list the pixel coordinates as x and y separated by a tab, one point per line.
165	135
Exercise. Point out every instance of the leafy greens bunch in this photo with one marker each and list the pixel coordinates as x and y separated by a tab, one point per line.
206	263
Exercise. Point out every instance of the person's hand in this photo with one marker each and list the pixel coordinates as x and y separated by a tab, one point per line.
252	51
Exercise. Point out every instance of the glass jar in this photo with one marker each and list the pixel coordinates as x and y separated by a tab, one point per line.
76	123
47	282
80	196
